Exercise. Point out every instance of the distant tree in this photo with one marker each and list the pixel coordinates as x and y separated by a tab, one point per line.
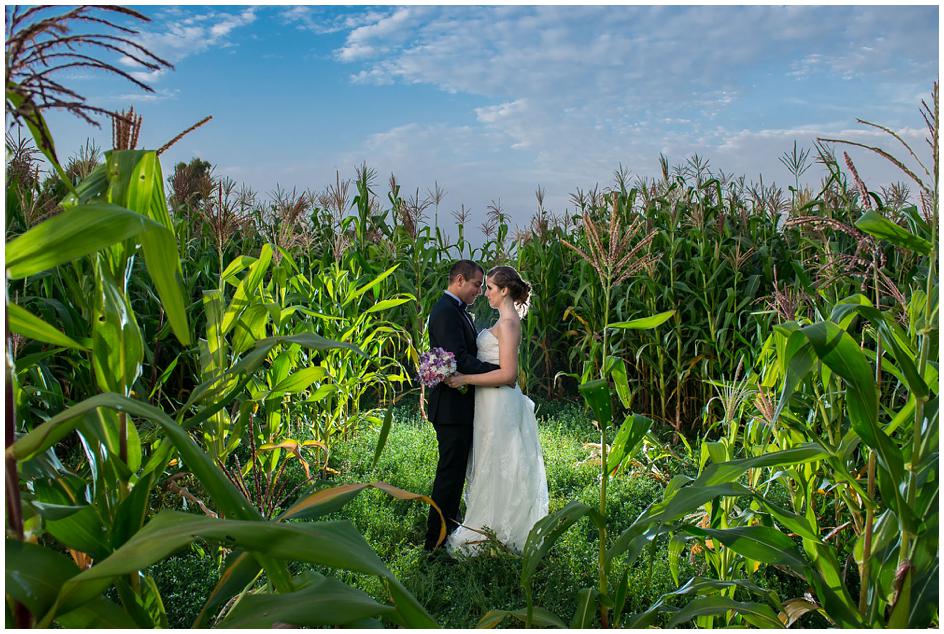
191	185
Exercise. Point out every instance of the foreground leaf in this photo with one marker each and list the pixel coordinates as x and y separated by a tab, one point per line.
329	500
547	531
877	225
334	544
72	234
324	603
760	543
23	322
757	614
539	616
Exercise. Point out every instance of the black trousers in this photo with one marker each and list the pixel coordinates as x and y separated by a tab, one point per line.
455	443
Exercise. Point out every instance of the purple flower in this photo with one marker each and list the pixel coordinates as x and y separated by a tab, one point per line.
436	365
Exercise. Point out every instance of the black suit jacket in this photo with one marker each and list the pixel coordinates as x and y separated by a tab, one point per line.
450	330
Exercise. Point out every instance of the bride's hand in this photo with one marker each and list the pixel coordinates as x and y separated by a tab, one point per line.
456	380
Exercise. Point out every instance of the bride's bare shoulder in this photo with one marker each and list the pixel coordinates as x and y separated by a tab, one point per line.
508	326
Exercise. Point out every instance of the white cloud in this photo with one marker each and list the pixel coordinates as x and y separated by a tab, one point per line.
491	114
381	34
664	52
140	97
322	21
178	38
562	95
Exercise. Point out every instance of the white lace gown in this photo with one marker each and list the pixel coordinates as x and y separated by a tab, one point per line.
506	485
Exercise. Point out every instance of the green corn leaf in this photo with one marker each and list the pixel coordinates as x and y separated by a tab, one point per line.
117	342
924	597
251	361
621	381
236	266
842	354
386	304
586	608
163	266
827	579
760	543
597	395
245	292
706	586
324	602
619	600
547	531
891	340
676	546
72	234
23	322
798	361
644	323
241	569
162	379
684	501
93	187
299	381
99	613
717	473
366	287
136	182
331	499
410	613
81	531
756	614
875	224
35	573
630	435
133	510
322	393
216	349
221	490
382	438
796	523
539	616
249	327
333	544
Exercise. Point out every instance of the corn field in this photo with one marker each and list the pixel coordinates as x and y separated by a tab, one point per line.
170	332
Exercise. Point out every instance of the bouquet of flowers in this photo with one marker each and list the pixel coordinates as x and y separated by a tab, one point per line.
436	365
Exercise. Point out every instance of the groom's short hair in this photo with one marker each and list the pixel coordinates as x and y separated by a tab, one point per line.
465	268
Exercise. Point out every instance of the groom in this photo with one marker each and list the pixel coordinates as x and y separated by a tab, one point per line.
450	411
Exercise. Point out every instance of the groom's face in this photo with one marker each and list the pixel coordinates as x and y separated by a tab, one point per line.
470	288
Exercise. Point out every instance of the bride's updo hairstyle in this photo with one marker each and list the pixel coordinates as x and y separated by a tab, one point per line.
520	291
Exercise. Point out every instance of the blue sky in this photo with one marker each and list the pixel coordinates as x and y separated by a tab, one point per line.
492	101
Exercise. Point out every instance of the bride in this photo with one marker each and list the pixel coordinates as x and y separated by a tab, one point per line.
507	486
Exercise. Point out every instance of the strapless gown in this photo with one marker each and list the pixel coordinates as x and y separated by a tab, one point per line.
506	485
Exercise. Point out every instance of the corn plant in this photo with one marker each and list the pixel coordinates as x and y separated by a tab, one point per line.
103	518
851	441
546	261
100	514
350	307
613	255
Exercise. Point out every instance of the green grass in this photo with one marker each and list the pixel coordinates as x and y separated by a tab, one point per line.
185	580
459	594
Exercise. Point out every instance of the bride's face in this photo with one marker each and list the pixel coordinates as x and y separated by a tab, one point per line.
494	294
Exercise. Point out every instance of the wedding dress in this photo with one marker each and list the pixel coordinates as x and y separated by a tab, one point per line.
506	485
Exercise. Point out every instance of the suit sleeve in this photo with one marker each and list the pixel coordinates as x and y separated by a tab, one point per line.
447	330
